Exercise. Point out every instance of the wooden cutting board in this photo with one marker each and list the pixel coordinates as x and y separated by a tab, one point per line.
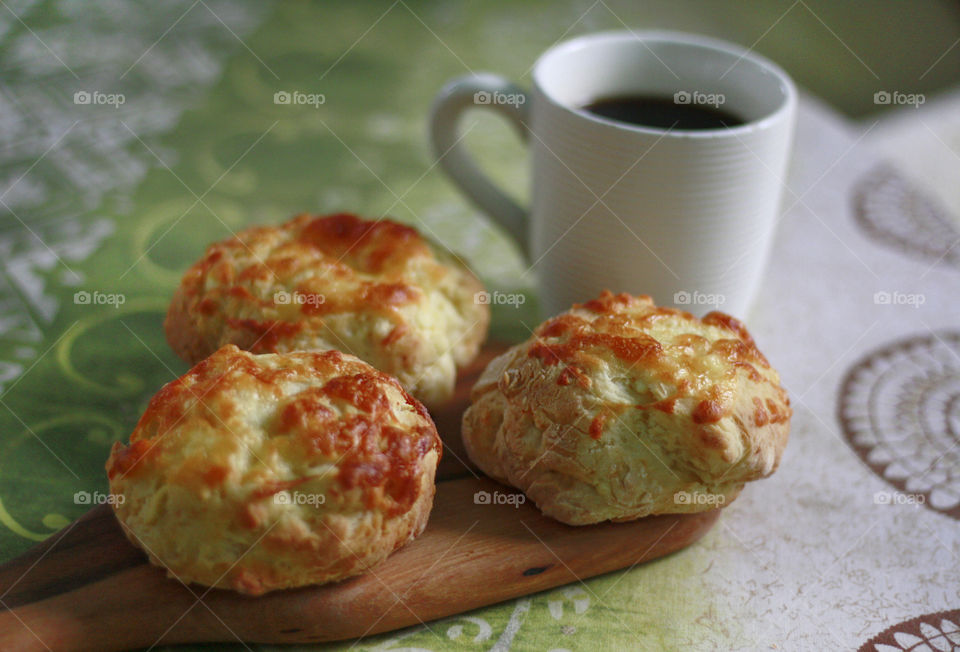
88	588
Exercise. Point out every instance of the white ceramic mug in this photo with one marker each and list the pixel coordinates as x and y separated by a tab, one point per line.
685	216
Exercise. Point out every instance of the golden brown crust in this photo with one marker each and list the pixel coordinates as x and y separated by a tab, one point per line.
215	470
375	289
618	409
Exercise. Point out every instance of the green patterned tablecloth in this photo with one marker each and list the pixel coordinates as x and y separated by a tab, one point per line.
132	134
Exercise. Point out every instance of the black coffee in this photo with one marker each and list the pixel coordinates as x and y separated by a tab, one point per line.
682	111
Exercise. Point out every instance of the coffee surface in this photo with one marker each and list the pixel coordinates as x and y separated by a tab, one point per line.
663	112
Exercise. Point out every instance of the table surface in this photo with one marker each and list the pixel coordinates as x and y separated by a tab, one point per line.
856	535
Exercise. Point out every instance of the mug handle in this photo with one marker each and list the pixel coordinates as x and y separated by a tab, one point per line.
458	95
